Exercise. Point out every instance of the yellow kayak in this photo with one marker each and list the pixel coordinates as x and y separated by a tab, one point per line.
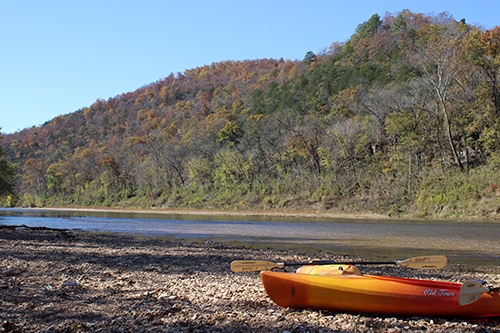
343	288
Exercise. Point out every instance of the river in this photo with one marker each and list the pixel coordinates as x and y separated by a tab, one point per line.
474	244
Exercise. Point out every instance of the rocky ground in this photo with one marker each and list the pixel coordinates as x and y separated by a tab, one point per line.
68	281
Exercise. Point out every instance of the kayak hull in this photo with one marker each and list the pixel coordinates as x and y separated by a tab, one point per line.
378	295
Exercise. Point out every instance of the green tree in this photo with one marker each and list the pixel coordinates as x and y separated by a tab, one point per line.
7	174
370	27
310	57
230	134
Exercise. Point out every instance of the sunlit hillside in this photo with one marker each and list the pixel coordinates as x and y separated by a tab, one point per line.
402	119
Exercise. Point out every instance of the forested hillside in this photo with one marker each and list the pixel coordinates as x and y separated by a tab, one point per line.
401	119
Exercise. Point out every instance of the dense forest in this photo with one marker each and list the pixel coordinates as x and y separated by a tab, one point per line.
402	119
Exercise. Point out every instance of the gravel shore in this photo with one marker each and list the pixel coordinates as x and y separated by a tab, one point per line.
68	281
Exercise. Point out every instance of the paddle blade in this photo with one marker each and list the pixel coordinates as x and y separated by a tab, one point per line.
471	291
254	265
425	262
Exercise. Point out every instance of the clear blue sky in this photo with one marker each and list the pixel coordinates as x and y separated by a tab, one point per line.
59	56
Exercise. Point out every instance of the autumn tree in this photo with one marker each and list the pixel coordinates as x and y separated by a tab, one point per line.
482	48
306	138
438	58
33	177
412	126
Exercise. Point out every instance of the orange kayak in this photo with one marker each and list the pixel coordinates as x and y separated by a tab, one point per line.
343	288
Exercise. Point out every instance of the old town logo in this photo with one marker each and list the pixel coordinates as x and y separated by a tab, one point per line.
439	292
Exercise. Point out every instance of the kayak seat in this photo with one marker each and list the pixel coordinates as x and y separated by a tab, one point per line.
329	270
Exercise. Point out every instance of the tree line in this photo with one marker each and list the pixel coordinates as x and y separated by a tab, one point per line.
402	118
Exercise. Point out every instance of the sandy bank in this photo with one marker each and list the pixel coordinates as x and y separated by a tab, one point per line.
62	281
269	213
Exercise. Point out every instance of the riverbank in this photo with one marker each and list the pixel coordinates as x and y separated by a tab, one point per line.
309	214
206	212
67	281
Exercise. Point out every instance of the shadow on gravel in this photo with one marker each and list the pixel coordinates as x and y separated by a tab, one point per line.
70	281
114	250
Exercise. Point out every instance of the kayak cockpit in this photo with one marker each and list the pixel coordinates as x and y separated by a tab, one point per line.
333	270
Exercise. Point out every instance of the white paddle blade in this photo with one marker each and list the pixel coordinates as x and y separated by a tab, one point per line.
471	291
425	262
254	265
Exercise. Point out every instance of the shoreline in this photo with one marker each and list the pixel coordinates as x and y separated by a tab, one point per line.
208	212
66	281
264	213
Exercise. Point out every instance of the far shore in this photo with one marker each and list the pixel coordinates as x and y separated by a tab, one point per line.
267	213
271	213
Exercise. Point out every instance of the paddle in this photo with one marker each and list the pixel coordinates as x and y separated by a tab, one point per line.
471	291
425	262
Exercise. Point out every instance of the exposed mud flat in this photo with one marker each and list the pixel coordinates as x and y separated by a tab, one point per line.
65	281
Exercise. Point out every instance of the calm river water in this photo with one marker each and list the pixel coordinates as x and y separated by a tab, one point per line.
476	244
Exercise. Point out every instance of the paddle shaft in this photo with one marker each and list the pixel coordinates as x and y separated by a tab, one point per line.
426	262
334	262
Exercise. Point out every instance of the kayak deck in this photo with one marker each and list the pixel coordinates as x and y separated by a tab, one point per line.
318	288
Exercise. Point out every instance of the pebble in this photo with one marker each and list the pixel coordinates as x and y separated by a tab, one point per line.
116	283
